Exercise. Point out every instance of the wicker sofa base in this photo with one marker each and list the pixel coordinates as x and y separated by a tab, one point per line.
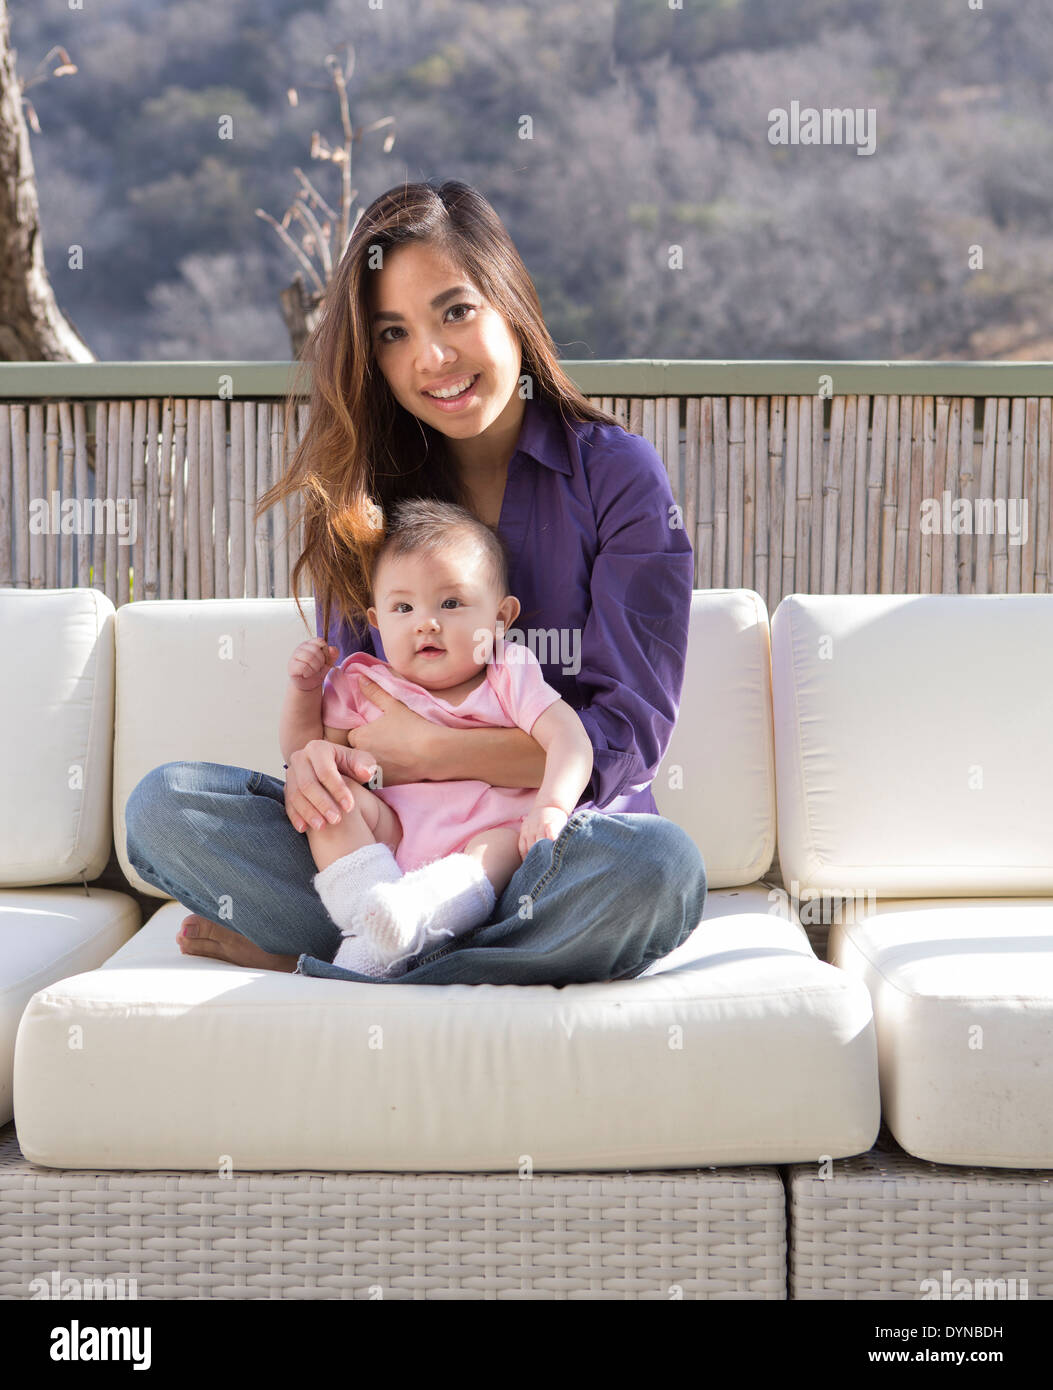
882	1225
886	1225
706	1233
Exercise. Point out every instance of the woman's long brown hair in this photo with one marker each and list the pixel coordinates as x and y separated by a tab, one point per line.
362	451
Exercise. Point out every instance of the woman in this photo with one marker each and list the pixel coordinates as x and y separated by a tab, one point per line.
430	294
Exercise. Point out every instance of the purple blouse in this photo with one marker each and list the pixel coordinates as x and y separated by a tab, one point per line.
604	583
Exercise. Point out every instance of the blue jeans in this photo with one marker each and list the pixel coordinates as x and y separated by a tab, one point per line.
606	898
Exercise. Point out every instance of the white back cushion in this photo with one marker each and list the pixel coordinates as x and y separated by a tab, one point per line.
717	779
204	681
200	680
56	735
914	743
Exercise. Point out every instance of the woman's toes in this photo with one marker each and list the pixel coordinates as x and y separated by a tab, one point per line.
203	948
200	937
196	925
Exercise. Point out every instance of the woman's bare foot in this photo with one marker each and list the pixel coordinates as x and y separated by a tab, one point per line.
222	943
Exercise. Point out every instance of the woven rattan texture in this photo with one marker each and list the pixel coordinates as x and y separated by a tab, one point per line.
884	1222
711	1233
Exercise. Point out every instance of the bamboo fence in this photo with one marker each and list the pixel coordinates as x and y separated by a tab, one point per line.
778	493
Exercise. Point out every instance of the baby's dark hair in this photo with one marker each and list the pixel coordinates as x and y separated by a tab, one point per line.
424	524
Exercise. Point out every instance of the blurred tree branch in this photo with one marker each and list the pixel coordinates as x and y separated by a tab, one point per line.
324	231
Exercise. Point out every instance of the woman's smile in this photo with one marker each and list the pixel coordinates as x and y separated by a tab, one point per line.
458	402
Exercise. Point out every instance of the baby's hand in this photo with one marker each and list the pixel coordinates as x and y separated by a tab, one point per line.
309	663
542	823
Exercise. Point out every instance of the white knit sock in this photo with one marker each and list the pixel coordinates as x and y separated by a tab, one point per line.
443	898
355	953
344	882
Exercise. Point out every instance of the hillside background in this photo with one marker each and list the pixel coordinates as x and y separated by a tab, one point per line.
650	130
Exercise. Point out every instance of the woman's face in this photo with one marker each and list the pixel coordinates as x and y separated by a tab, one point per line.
432	330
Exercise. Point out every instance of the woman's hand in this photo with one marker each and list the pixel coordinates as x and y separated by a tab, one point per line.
315	790
542	823
398	740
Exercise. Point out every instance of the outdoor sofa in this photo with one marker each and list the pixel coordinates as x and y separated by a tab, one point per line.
712	1129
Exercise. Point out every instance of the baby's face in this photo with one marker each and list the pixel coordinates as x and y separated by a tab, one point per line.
444	602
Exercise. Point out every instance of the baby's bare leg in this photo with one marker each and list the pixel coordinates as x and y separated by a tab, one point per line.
497	852
370	821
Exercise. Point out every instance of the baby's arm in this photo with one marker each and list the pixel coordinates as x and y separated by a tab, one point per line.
301	720
301	717
568	757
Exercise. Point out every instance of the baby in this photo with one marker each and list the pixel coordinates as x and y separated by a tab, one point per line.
415	863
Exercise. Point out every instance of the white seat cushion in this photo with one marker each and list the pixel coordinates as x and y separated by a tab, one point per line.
45	935
740	1047
963	1004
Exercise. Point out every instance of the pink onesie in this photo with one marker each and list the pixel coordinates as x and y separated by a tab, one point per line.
439	818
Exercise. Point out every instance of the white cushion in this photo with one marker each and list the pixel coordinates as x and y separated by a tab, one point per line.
963	1004
913	743
56	737
740	1047
203	681
46	934
717	779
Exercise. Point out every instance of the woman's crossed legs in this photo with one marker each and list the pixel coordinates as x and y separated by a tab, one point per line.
395	916
611	894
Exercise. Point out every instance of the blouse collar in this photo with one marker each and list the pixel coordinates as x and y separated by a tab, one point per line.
542	436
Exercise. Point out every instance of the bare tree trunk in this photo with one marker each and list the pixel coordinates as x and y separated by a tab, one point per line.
300	311
32	327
